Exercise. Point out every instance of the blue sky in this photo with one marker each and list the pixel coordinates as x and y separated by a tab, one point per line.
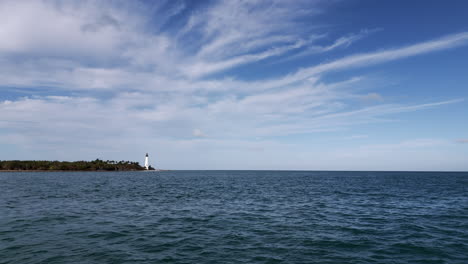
304	85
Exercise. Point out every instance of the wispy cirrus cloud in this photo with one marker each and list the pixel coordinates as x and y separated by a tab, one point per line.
367	59
341	42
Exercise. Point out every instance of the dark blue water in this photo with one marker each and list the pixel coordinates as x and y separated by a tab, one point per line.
233	217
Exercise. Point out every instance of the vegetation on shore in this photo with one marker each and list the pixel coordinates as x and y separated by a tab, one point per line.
95	165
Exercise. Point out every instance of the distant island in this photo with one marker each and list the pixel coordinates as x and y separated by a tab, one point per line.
95	165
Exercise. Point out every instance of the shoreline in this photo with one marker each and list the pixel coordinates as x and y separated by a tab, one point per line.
73	170
80	165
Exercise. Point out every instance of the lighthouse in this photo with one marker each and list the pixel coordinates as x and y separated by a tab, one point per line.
146	162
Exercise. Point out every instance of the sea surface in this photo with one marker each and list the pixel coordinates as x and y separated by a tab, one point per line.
233	217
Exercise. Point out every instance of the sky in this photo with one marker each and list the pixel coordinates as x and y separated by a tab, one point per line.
276	85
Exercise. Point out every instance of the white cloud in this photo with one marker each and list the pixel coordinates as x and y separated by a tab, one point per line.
198	133
202	68
408	144
51	28
341	42
367	59
352	137
372	97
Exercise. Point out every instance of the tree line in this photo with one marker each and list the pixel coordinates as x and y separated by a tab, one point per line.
95	165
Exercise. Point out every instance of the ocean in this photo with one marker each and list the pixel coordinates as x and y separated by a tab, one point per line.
233	217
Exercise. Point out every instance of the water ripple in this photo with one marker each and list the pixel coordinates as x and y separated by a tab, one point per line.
234	217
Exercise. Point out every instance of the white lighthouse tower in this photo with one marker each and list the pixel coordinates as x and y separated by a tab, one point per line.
146	162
